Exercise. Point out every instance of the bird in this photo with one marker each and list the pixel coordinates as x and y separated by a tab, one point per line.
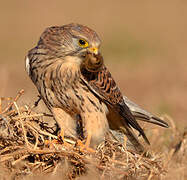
69	73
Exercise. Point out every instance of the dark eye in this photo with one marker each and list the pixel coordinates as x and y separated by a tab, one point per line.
83	43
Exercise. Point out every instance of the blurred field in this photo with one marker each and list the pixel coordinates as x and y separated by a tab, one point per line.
144	46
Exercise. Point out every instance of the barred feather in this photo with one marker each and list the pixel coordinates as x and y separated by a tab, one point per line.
56	66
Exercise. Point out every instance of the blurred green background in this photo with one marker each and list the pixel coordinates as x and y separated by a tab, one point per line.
144	46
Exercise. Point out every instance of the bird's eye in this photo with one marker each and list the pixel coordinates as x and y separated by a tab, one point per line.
83	43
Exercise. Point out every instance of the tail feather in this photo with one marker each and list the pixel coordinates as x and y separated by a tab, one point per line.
150	119
143	115
125	112
132	138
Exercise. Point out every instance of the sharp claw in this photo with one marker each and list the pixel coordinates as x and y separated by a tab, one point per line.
86	145
60	140
83	146
51	143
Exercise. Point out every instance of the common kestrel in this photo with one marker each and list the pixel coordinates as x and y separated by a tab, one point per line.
68	70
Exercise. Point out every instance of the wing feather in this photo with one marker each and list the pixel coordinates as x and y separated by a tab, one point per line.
103	86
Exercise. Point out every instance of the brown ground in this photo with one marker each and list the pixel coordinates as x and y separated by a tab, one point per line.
144	46
29	149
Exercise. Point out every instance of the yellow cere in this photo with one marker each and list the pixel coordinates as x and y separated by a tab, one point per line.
83	43
93	50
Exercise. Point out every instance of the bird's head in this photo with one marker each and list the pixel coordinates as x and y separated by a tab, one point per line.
73	40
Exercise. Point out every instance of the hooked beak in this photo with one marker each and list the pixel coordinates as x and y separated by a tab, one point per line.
93	50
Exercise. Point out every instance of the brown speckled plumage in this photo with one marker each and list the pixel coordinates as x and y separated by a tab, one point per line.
74	82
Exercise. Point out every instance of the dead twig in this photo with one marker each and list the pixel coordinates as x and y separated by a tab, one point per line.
20	93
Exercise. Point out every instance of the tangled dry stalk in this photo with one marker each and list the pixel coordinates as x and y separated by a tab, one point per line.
24	153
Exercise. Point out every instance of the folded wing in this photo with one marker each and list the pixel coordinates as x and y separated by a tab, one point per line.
104	87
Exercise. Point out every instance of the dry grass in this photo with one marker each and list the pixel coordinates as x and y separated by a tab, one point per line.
24	153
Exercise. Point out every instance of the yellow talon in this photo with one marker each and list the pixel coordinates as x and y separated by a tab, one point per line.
86	145
60	140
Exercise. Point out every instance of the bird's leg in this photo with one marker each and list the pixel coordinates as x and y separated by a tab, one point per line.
86	145
66	124
61	138
84	127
